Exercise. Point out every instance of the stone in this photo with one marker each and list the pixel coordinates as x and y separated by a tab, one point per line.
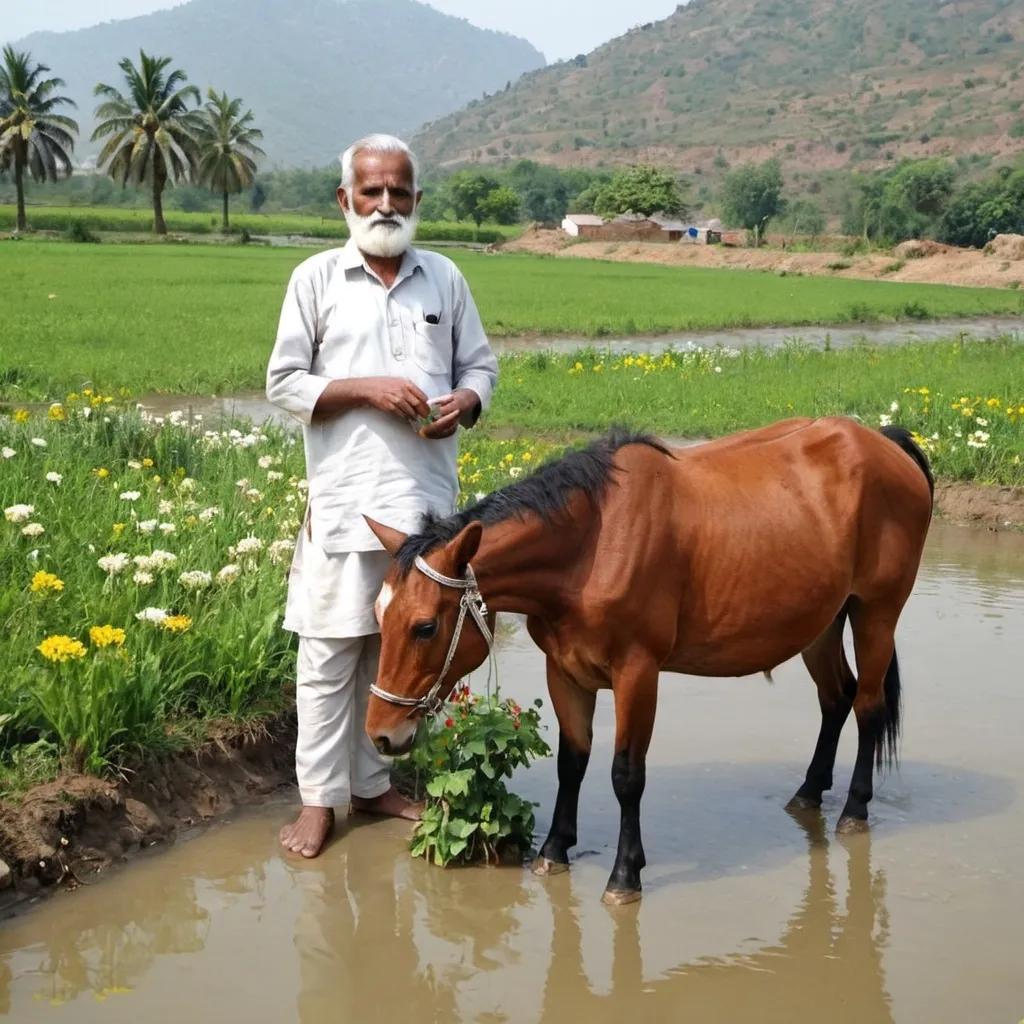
6	876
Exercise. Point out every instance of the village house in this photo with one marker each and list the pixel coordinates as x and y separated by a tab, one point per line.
634	227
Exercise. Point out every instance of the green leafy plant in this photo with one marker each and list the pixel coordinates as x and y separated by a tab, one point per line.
464	755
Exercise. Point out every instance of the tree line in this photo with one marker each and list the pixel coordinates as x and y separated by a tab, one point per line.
156	128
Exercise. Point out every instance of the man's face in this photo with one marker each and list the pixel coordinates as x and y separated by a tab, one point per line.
383	183
380	207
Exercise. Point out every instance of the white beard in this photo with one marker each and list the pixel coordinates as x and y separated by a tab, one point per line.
376	237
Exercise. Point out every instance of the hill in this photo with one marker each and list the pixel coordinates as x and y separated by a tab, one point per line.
316	73
824	85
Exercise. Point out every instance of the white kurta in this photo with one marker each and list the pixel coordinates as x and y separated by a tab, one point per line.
338	321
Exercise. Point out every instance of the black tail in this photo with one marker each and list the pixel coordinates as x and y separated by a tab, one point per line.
902	438
887	744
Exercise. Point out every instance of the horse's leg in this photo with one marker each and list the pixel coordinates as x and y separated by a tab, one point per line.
876	705
636	698
826	661
574	707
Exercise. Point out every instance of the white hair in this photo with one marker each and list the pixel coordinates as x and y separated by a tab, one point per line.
377	143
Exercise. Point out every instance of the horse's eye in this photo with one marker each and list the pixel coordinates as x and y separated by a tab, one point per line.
425	630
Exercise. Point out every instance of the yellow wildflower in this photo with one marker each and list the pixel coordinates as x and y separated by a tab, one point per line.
73	397
967	412
156	479
527	456
993	403
61	648
148	463
102	473
118	527
87	392
43	581
104	636
95	401
177	623
21	415
923	391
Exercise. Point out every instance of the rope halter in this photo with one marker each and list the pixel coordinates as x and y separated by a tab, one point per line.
471	603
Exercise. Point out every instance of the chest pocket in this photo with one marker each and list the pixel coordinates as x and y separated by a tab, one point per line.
432	348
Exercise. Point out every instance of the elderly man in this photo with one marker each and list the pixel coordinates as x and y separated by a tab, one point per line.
381	355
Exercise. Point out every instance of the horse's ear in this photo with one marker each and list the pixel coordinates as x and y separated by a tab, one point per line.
391	539
463	547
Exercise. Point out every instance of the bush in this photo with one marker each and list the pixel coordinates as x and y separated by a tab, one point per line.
465	754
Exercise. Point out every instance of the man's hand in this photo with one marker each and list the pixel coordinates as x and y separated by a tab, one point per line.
452	410
396	395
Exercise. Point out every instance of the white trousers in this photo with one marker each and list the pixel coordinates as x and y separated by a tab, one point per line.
334	758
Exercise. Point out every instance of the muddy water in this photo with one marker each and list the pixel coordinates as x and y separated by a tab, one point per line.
253	404
747	914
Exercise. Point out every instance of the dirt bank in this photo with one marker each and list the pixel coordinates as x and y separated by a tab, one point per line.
67	830
991	508
999	266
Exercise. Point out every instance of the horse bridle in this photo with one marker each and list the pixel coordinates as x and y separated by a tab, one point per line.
471	603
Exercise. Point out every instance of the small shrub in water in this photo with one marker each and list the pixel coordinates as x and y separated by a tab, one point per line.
465	755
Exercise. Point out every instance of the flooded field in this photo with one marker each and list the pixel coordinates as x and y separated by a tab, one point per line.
748	914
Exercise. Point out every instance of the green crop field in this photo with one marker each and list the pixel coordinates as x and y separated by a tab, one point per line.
201	319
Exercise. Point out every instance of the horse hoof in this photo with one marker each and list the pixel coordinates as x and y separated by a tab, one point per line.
620	897
543	866
803	803
847	826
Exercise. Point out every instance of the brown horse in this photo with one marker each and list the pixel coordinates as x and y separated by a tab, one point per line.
629	559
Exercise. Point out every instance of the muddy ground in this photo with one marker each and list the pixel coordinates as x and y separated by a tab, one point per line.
999	265
66	831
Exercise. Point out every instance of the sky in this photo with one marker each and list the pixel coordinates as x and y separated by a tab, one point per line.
558	28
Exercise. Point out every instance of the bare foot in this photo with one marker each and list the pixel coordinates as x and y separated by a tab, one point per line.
308	833
390	804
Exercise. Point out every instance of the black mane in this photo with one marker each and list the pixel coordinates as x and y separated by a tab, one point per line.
546	492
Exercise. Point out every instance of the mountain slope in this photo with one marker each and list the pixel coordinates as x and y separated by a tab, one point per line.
316	73
822	83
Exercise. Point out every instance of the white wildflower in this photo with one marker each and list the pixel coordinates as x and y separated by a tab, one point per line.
18	513
165	508
156	561
253	494
515	471
242	484
54	478
146	526
229	573
113	564
87	412
156	615
234	434
33	530
7	453
38	442
280	550
980	421
718	369
273	476
884	421
479	495
979	439
132	464
187	485
130	495
289	499
265	461
195	580
302	485
247	546
895	407
143	578
167	529
208	514
34	555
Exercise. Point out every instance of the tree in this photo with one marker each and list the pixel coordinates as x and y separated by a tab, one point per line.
752	196
501	205
32	136
979	212
641	189
227	148
806	217
151	133
925	186
467	192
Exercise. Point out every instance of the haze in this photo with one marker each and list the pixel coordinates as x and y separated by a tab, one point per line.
558	29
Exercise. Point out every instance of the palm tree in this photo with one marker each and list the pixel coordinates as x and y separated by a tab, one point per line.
228	149
151	133
32	136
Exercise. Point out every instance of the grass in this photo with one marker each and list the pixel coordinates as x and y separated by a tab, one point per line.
114	219
201	320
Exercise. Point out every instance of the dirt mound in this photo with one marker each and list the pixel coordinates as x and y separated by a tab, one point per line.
1006	247
917	249
71	828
